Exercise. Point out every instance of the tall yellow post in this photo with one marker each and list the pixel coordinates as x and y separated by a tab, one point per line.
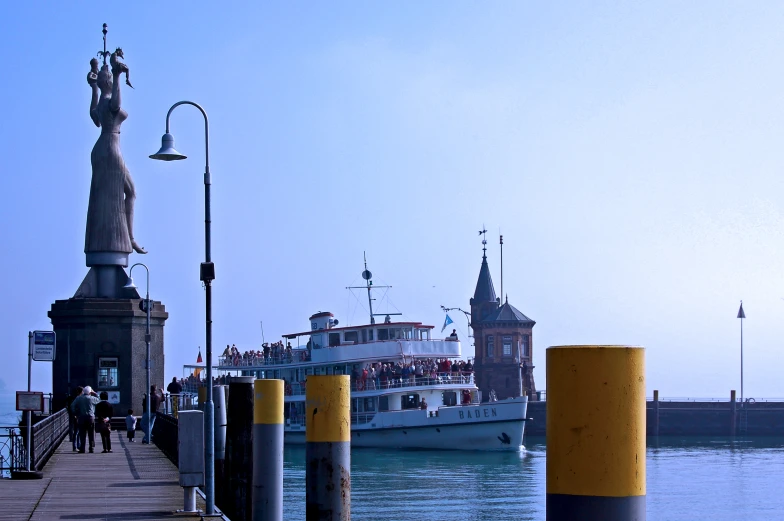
267	495
595	433
328	448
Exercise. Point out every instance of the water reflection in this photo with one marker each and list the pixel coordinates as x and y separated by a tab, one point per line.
687	478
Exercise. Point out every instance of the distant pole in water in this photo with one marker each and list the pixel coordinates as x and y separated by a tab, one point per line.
742	315
262	331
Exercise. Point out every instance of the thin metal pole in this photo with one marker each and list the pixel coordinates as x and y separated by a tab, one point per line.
29	413
742	403
209	413
147	341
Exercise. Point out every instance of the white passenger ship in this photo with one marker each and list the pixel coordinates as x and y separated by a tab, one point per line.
434	410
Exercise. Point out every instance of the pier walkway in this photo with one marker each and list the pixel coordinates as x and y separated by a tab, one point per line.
135	481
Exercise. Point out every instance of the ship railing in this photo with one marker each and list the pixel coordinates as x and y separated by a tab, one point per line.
369	384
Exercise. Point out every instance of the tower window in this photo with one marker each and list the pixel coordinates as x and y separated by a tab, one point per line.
490	346
526	346
507	346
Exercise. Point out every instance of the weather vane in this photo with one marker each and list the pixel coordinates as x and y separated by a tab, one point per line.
104	53
483	232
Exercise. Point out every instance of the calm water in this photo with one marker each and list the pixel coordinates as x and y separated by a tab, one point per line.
689	479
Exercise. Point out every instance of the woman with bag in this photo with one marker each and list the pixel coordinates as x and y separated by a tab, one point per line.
103	417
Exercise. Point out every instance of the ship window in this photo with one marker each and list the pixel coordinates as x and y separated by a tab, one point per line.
334	339
409	401
317	341
507	346
370	335
383	403
490	346
450	398
364	336
351	336
369	404
383	334
526	347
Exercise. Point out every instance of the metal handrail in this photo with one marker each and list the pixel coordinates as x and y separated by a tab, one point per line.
47	435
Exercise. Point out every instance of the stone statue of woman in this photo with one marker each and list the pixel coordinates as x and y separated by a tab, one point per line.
112	195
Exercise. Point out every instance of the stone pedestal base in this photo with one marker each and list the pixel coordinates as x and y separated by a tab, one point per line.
101	343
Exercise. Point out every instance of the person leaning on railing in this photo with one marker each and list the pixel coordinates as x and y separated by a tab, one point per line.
175	389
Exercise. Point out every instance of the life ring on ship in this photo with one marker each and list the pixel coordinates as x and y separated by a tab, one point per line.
751	400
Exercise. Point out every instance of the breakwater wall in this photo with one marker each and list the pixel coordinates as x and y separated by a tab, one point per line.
692	418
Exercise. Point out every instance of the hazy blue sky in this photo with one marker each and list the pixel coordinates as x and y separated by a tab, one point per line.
630	153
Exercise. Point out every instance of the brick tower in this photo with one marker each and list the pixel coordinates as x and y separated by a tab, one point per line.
503	338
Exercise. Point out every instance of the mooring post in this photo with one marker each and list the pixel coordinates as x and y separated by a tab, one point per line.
595	433
733	413
219	404
238	484
328	448
655	430
268	450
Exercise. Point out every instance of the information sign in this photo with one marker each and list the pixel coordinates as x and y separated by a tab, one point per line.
43	346
29	401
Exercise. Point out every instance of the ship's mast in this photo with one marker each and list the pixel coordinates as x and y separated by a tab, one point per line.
369	286
367	275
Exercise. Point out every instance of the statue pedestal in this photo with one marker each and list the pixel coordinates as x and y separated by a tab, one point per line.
100	343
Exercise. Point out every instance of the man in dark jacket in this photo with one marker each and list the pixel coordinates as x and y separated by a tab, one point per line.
174	389
103	415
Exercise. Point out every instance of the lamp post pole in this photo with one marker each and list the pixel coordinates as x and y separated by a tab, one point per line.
207	275
147	338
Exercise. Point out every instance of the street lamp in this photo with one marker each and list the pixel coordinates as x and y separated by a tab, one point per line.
207	275
131	285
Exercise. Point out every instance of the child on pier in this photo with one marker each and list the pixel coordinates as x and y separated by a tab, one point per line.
130	425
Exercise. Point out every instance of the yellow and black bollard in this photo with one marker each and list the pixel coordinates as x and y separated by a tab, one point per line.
328	448
595	433
268	450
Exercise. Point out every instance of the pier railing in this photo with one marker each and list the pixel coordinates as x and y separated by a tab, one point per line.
11	451
47	435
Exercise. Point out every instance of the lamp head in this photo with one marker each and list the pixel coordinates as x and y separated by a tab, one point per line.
130	284
167	151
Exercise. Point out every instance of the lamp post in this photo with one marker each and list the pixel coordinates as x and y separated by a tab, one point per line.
207	275
131	285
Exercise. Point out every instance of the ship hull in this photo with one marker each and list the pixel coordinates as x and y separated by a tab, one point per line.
497	426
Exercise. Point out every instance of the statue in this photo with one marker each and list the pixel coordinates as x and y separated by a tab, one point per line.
112	193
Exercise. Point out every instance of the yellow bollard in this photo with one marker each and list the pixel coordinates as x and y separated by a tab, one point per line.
596	433
267	495
328	448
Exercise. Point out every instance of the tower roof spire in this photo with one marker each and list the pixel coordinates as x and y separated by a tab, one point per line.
485	291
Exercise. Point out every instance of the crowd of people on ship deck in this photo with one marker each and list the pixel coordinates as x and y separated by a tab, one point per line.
430	371
274	353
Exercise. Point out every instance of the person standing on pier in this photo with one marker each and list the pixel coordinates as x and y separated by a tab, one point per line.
73	421
84	409
155	402
175	389
104	413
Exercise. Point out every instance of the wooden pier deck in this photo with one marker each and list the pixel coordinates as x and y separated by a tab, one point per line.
135	481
